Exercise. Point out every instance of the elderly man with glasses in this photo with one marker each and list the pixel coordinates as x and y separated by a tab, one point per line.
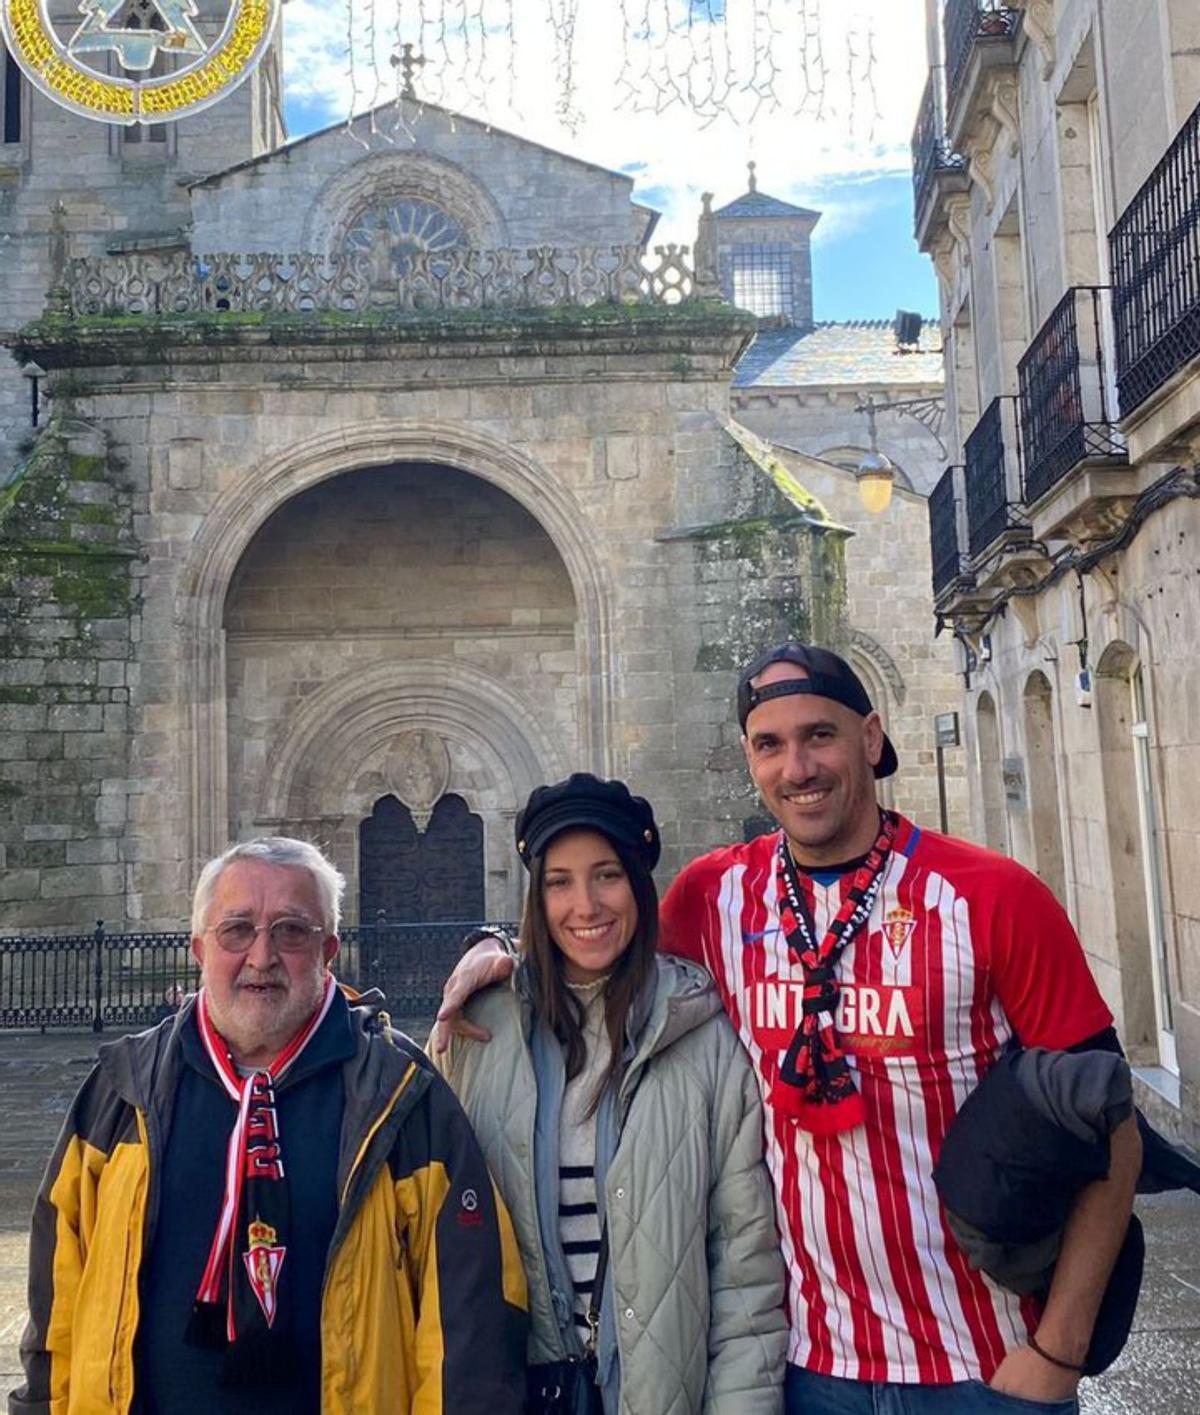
269	1202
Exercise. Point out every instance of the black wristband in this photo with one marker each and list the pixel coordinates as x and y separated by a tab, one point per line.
1031	1342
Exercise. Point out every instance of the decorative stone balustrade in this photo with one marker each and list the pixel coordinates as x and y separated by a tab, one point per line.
542	277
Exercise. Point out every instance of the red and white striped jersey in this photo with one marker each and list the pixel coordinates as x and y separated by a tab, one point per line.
963	948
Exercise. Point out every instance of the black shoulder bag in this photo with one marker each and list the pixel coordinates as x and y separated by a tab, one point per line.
569	1387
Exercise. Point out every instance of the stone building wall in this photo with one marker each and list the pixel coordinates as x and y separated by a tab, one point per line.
683	550
522	193
398	565
69	599
1088	781
146	195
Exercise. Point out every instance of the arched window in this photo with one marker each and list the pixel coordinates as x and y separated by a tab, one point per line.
1135	888
1042	770
991	781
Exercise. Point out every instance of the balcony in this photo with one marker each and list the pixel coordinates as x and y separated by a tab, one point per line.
977	35
1155	256
1068	408
933	158
992	453
944	548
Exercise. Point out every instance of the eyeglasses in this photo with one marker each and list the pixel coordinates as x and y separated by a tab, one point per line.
286	935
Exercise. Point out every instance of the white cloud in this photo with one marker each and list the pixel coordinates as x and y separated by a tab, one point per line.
863	130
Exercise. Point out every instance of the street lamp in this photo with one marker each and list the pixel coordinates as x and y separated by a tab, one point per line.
876	473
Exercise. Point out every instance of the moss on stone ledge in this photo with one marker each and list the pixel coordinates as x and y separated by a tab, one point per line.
67	342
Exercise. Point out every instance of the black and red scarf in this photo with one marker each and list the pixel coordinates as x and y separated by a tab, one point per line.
816	1086
241	1304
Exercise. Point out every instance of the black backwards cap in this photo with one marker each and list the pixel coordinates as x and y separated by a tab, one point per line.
584	802
828	677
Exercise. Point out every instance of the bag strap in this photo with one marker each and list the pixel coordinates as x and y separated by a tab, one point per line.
592	1316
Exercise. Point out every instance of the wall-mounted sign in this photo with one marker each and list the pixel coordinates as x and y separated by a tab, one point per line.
946	726
1013	771
133	35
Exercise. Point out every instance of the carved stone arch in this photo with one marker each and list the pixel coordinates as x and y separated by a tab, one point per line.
885	687
868	653
346	731
384	176
245	506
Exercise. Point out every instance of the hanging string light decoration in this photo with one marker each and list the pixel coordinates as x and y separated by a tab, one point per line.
718	59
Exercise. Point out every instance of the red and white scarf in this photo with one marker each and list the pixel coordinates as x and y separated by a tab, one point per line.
239	1303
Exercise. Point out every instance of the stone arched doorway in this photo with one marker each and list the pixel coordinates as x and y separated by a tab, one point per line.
405	632
991	779
408	875
216	800
1041	760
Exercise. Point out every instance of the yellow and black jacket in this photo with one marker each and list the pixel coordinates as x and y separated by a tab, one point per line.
424	1304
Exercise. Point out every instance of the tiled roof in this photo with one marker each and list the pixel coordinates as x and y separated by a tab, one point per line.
760	204
861	351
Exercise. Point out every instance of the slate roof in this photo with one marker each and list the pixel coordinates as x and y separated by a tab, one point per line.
860	351
755	203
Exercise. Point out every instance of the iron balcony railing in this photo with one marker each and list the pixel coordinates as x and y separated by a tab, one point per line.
944	548
101	980
1068	409
931	149
992	447
1155	257
970	22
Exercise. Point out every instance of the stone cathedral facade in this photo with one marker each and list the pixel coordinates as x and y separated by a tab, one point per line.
434	496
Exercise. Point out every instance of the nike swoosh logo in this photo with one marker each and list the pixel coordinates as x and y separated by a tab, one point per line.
757	938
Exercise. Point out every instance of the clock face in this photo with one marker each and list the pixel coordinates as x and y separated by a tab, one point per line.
137	61
407	226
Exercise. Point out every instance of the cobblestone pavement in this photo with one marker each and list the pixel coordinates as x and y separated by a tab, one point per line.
1158	1374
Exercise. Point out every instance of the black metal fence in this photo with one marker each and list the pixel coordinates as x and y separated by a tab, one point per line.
988	450
970	22
931	149
1067	414
101	980
943	532
1155	255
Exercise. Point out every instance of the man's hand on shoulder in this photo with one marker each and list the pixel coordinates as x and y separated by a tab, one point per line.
483	964
1025	1374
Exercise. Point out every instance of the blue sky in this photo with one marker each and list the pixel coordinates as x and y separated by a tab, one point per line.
852	163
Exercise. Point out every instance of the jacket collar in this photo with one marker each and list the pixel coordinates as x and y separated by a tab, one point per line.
678	998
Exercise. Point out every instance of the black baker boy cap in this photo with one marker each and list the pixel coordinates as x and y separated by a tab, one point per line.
584	802
829	676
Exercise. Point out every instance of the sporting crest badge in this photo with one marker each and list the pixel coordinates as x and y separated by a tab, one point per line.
165	68
263	1262
898	926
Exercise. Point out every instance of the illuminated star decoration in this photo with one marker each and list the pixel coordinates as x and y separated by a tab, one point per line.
137	30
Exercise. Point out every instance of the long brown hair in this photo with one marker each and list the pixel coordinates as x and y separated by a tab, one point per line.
554	1002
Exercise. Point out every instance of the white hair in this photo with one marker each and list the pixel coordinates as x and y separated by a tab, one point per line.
274	850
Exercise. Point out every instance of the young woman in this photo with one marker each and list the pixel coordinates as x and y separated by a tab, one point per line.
621	1121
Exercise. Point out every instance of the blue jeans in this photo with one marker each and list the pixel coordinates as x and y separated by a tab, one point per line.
808	1394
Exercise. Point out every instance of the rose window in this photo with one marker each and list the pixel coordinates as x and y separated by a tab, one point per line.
404	227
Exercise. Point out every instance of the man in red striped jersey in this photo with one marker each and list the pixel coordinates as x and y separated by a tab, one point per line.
874	971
